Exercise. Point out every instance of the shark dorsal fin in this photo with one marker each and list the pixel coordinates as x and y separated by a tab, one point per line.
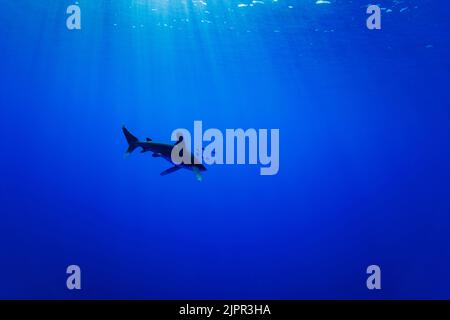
148	139
180	139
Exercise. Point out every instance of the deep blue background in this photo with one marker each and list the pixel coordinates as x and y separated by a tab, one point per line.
364	137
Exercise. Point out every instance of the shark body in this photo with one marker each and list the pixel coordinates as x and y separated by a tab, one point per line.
162	150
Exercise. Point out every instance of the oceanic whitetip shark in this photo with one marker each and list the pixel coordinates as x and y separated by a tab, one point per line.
162	150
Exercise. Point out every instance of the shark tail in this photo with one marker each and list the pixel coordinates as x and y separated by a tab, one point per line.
132	140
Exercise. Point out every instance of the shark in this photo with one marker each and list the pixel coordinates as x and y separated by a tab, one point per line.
162	150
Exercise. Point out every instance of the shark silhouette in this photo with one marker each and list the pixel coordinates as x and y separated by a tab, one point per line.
162	150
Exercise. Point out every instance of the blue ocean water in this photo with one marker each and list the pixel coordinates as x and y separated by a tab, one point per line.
364	149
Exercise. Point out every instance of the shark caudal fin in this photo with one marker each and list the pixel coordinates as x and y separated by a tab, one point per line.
132	140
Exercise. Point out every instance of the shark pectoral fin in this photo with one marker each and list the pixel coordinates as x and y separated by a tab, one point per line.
170	170
198	175
156	155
